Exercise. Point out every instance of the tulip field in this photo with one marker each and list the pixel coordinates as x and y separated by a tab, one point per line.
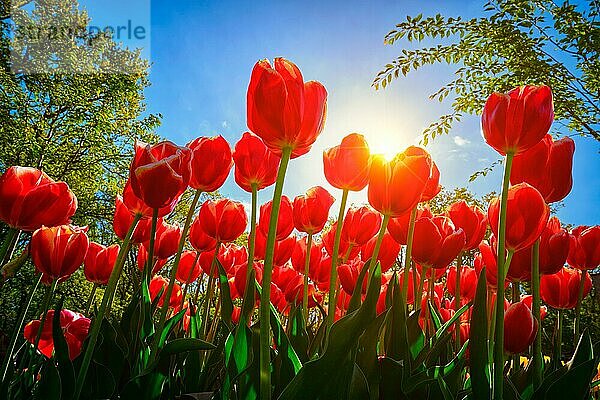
298	299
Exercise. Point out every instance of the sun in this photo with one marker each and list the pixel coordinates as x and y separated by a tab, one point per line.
386	144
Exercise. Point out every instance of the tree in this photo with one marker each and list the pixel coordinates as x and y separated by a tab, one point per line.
516	42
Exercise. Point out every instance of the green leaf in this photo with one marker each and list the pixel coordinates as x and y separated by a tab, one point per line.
49	387
169	325
148	387
479	356
357	293
61	354
181	345
226	302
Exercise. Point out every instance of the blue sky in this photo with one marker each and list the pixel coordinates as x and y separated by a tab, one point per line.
202	53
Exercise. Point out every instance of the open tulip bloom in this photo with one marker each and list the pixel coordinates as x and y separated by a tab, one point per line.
403	297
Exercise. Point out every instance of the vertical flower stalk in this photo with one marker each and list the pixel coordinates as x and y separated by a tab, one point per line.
384	224
306	270
264	313
104	307
457	298
558	339
536	305
252	237
334	260
582	279
407	259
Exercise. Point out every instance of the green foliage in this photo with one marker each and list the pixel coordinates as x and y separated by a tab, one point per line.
516	42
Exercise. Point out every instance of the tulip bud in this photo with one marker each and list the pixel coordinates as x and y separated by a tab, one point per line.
347	165
520	328
210	163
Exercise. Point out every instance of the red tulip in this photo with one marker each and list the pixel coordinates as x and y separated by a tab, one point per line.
58	251
413	276
561	290
142	260
122	221
487	258
159	174
584	251
158	284
387	254
398	227
436	242
135	205
471	220
516	121
311	210
74	326
528	301
348	275
189	267
282	109
347	165
520	328
285	220
526	217
396	187
519	269
321	274
299	254
554	247
223	219
553	165
433	187
31	199
166	240
227	257
468	282
347	250
211	162
360	225
199	240
99	262
255	164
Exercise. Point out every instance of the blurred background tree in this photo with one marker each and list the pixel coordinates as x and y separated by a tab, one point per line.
515	42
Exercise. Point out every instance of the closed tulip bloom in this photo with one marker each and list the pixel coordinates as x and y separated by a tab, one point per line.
360	225
223	219
519	269
255	164
387	254
142	260
99	262
347	250
122	221
552	174
199	240
468	282
396	186
285	220
299	254
211	162
471	220
436	241
398	227
433	187
136	206
240	277
30	199
348	275
487	258
561	290
311	210
74	327
526	216
282	109
160	173
347	165
520	328
516	121
166	240
189	267
58	251
584	251
528	301
158	285
554	247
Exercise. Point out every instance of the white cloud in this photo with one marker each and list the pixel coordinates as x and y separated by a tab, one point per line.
225	124
461	141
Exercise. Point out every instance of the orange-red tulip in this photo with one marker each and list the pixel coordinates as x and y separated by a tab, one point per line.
99	262
159	174
553	161
433	187
436	241
584	251
387	254
31	199
135	205
123	219
211	162
398	227
487	258
561	290
158	285
468	282
74	326
142	260
58	251
255	164
554	247
347	250
520	328
311	210
285	220
299	254
396	186
526	216
282	109
166	240
348	275
528	301
223	219
199	240
360	225
347	165
516	121
471	220
189	267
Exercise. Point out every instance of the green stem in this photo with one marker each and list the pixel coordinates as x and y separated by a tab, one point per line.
189	277
516	297
558	353
583	277
8	240
150	261
200	279
91	298
45	306
431	298
408	257
538	366
210	291
384	224
306	270
165	307
265	297
419	297
17	331
97	320
457	299
501	256
252	237
334	260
